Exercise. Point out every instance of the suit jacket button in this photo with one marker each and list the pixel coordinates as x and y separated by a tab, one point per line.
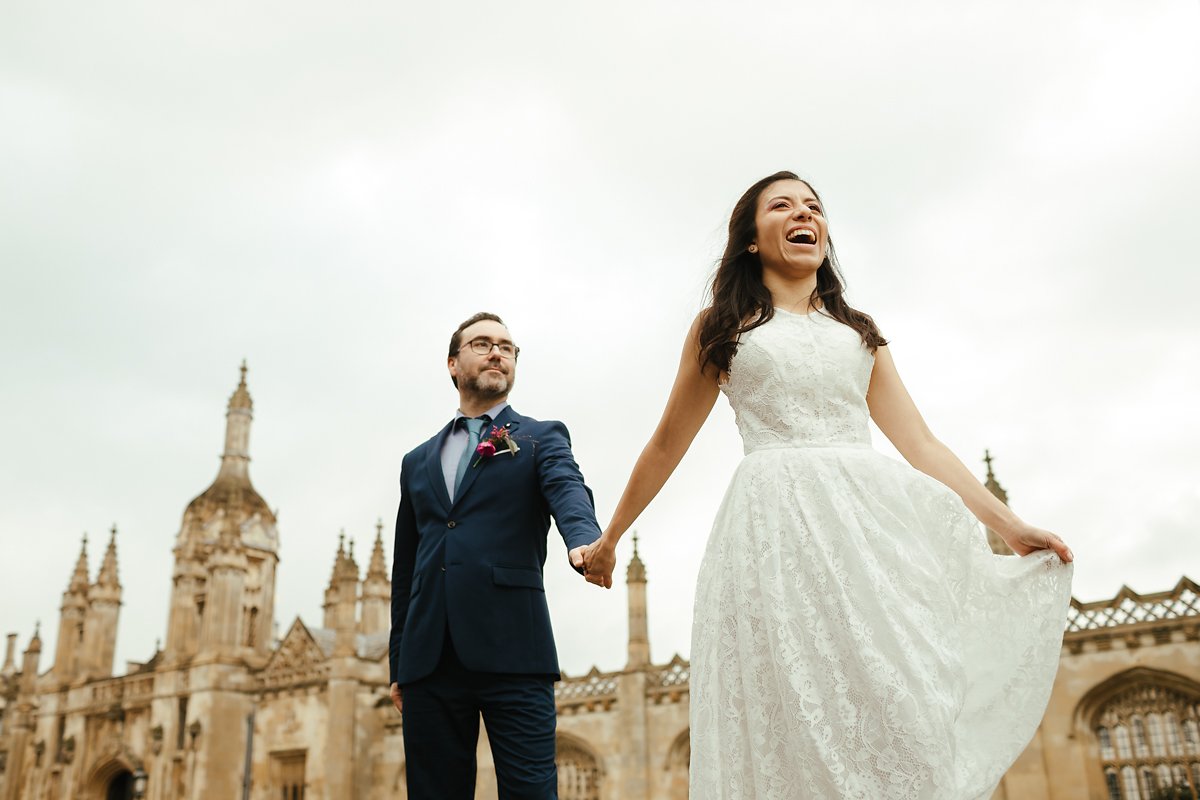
451	524
443	567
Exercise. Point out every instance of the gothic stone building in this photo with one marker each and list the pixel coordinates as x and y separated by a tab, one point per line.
223	712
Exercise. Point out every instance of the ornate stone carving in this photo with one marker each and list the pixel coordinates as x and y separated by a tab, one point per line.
297	660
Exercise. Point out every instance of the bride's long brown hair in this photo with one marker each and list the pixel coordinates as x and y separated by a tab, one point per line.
741	301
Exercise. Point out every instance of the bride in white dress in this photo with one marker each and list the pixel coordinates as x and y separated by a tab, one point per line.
854	636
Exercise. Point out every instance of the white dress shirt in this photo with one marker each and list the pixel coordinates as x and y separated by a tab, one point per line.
456	442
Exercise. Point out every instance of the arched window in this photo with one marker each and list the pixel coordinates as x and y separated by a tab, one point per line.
1113	783
1139	738
578	772
1124	749
679	758
1174	745
1191	737
1148	737
1130	784
1106	746
1158	743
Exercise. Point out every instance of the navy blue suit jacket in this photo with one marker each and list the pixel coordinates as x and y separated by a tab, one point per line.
474	566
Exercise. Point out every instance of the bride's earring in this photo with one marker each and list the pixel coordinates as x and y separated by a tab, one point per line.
753	248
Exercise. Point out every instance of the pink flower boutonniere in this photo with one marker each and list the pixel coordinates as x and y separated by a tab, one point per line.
498	441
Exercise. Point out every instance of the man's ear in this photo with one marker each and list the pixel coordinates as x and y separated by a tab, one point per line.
452	366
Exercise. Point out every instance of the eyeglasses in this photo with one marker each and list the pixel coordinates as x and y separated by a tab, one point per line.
483	347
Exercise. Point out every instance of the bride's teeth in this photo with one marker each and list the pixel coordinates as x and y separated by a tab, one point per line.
803	235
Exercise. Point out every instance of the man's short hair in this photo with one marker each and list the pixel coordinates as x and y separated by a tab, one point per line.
456	339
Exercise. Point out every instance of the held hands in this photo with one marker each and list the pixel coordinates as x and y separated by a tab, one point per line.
1024	539
581	561
600	558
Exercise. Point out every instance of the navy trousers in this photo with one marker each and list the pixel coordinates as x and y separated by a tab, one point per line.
441	732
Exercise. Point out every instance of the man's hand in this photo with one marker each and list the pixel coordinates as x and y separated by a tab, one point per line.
397	700
599	560
579	562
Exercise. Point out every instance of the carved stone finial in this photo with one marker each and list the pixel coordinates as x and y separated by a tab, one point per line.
79	578
990	481
108	566
377	568
240	399
636	572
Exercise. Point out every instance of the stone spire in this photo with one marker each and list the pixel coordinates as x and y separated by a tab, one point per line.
29	665
341	596
235	461
10	657
108	567
79	579
998	545
20	723
226	517
331	589
341	599
68	651
376	590
100	622
639	638
378	566
231	492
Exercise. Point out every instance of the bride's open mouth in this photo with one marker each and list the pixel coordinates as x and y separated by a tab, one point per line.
803	236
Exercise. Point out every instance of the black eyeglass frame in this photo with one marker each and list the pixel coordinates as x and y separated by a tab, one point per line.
479	340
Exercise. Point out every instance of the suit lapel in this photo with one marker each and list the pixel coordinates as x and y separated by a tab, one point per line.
433	464
505	417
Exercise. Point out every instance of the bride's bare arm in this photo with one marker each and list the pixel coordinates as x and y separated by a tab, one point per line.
897	416
692	398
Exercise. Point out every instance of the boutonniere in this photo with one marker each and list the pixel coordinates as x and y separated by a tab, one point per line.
500	440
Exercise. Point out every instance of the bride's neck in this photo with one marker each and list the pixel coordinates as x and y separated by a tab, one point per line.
791	294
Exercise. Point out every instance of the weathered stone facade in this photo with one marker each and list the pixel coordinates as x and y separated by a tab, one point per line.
222	712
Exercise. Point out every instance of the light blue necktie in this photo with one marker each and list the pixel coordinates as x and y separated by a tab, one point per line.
474	434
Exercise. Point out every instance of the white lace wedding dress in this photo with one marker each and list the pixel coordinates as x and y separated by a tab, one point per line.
854	636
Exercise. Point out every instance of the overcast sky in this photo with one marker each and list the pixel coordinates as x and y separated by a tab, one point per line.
327	189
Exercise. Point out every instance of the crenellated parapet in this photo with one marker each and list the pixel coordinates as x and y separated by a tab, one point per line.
595	691
1130	620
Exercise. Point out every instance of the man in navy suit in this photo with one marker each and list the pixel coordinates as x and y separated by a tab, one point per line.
470	625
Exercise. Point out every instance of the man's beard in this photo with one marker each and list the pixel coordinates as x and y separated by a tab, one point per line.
489	385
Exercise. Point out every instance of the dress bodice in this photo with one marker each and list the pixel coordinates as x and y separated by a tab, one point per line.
800	381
